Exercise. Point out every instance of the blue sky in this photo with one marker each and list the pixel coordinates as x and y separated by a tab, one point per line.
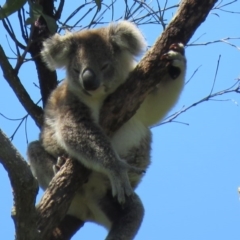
190	189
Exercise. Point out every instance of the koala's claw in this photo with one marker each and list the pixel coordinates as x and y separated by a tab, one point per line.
176	60
120	182
60	162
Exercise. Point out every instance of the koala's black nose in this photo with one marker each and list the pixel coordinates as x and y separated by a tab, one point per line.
90	80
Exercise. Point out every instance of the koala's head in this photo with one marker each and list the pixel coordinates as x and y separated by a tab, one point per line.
97	59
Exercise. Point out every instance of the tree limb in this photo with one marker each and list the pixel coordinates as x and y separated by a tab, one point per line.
40	32
124	102
23	184
60	190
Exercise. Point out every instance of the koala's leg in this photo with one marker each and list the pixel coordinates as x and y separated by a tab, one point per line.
41	163
126	219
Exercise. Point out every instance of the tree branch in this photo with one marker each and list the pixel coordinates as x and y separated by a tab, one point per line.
235	88
13	80
40	31
60	190
124	102
23	184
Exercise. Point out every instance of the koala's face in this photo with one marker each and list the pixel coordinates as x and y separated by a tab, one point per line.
94	63
97	61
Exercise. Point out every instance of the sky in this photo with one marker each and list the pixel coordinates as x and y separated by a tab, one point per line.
190	190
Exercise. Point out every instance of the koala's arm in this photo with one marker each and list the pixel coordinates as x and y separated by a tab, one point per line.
84	140
158	103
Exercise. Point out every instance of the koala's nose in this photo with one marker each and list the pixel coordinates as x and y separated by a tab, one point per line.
90	80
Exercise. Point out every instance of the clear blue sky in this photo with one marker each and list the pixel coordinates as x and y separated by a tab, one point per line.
190	190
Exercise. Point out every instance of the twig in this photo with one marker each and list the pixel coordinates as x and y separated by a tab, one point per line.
234	88
11	77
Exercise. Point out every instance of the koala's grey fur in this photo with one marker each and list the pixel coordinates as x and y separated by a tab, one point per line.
97	61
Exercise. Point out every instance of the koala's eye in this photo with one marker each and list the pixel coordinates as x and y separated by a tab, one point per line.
76	70
105	66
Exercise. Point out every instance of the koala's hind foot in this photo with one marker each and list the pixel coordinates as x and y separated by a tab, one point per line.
176	60
60	162
126	219
41	163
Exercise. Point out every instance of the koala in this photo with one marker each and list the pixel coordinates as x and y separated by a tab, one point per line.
97	62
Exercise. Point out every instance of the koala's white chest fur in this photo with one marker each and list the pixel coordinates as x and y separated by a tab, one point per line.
128	136
84	205
95	105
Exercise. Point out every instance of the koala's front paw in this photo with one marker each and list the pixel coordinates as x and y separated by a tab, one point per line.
60	162
176	60
120	182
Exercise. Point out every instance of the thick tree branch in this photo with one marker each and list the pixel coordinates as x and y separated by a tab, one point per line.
60	190
40	31
12	78
67	228
121	105
59	10
23	184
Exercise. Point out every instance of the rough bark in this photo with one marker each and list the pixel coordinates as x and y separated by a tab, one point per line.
67	228
49	209
47	78
24	187
123	103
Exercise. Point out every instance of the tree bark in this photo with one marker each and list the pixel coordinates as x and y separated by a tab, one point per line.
49	209
24	187
123	103
40	32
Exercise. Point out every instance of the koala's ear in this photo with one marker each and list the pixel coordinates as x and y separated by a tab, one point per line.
56	50
127	36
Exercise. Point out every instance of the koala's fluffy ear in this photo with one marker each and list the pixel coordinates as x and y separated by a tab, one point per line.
127	36
56	50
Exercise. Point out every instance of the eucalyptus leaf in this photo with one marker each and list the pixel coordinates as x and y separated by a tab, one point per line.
28	21
10	7
36	11
51	23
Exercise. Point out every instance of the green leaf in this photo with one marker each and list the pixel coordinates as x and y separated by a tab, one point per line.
28	21
99	4
51	23
10	7
36	12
